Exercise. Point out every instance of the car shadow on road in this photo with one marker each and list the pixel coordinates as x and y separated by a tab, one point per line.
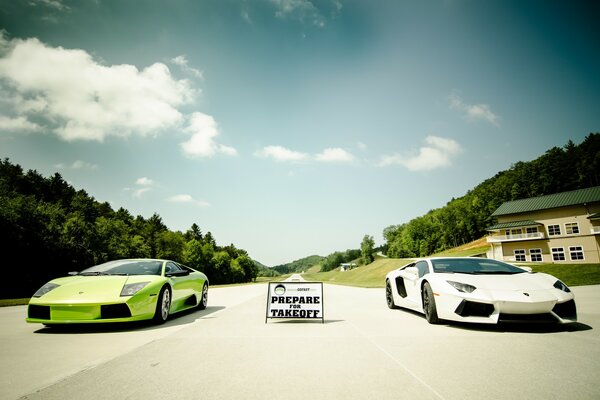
507	327
181	318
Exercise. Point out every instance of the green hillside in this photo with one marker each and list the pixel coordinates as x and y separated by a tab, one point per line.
300	265
373	275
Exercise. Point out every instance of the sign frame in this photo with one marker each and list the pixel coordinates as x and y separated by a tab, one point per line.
297	301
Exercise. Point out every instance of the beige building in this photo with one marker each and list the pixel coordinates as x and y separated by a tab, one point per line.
558	228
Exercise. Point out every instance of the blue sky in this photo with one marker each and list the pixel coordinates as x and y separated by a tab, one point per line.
292	127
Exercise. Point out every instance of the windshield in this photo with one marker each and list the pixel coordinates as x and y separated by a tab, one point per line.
126	267
473	266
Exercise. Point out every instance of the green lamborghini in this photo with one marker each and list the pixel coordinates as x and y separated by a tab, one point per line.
120	291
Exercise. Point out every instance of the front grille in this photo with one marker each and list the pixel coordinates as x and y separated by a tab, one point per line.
111	311
526	318
566	309
38	312
472	309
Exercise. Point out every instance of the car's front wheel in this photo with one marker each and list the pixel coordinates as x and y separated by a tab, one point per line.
163	305
429	307
389	296
204	299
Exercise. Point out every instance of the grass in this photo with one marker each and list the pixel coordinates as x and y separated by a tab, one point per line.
373	275
571	274
13	302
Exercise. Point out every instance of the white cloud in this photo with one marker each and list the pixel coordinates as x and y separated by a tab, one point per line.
182	62
139	192
54	4
474	111
79	164
334	155
437	153
186	198
204	130
281	154
143	181
81	99
361	146
144	185
301	10
18	124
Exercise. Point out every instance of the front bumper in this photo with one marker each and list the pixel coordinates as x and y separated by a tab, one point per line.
514	306
86	313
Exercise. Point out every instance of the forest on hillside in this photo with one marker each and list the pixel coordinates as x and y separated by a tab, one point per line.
47	228
465	219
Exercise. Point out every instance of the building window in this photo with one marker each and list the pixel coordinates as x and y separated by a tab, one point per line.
520	255
535	255
558	254
533	230
576	253
572	228
553	230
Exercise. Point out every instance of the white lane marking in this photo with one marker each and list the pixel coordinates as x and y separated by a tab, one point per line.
400	364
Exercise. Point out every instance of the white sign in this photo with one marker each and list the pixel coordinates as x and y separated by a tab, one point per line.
303	300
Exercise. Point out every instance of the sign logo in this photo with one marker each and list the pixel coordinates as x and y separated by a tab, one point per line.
279	290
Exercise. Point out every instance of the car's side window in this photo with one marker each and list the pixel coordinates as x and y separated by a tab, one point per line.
171	267
422	267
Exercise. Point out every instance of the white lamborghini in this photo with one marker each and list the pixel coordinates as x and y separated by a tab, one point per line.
478	290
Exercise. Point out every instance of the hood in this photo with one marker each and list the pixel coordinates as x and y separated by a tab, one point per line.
524	281
90	289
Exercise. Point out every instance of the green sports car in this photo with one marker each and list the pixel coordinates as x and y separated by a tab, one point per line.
120	291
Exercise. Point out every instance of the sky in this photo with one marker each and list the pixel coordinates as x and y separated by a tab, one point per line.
292	127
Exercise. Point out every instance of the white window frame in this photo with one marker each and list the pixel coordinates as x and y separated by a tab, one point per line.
537	253
532	229
557	251
554	227
520	253
576	250
572	225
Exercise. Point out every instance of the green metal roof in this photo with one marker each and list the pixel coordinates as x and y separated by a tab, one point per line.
563	199
513	224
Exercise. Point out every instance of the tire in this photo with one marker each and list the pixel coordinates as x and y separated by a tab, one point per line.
389	296
204	299
429	307
163	305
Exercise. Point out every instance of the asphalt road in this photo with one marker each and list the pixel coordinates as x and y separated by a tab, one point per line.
363	351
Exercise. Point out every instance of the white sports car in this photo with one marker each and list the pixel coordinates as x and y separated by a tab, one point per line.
478	290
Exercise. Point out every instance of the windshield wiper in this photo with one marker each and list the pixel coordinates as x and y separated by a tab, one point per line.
98	273
496	272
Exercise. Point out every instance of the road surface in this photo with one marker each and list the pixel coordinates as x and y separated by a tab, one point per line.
363	351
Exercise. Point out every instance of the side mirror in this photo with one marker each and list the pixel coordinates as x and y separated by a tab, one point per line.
527	269
411	273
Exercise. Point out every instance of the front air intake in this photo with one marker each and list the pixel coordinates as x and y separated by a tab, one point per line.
38	312
472	309
111	311
566	310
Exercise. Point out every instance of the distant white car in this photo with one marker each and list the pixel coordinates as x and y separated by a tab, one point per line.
478	290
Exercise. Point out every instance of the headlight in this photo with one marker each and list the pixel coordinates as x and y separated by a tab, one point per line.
45	289
561	286
132	288
462	287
